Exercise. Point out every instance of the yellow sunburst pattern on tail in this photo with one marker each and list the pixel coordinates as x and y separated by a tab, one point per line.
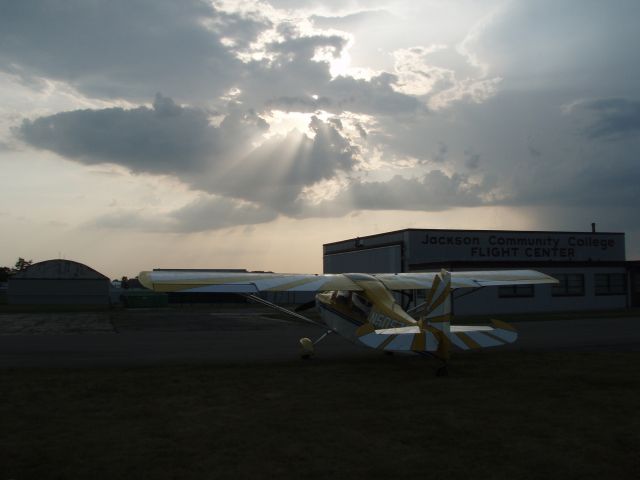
433	332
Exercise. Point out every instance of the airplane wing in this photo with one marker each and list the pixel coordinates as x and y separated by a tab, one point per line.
231	282
470	279
234	282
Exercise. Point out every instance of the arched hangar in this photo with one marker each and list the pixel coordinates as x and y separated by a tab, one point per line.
58	282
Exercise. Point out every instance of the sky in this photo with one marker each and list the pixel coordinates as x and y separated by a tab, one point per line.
140	134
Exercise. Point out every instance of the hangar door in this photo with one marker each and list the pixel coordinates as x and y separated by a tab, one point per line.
369	260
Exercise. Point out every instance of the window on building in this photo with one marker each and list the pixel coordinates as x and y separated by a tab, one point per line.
610	284
571	285
515	291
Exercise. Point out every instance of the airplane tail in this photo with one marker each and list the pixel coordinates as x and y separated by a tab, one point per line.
434	332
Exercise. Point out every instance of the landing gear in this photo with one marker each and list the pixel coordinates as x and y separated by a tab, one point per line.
307	346
307	349
442	371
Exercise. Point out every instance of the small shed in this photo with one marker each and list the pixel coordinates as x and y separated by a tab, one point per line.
58	282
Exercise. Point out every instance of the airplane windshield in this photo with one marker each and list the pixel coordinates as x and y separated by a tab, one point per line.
353	302
361	304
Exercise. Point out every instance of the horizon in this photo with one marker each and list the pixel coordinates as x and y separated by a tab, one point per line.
222	134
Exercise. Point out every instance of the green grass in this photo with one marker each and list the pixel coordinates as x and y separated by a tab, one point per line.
499	415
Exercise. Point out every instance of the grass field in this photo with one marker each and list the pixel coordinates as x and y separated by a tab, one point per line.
498	415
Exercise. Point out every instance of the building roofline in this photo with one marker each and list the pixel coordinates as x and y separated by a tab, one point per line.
472	231
24	274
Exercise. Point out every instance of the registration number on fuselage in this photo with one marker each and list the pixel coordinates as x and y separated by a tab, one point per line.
378	320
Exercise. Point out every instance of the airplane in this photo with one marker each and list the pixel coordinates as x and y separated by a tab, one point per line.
361	307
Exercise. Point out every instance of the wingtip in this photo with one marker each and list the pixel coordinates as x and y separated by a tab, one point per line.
145	279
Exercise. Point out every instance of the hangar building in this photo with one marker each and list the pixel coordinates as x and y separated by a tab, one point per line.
591	266
58	282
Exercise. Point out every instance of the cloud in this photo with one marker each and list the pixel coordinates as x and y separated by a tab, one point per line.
189	50
295	76
571	46
610	118
431	103
213	212
164	139
376	96
126	48
230	159
352	20
331	5
207	212
276	172
434	191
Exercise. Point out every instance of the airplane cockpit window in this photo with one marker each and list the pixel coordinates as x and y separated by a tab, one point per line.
343	297
361	304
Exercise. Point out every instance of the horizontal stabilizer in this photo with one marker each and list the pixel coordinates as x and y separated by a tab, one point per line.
413	339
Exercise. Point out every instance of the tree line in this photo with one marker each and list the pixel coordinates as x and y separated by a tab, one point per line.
20	265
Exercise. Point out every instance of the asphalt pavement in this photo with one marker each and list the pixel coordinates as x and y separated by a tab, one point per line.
205	336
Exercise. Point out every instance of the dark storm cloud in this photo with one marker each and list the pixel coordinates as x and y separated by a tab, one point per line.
612	117
165	139
376	96
373	97
441	153
181	141
275	173
188	50
434	191
612	184
125	48
296	47
548	53
472	161
293	81
587	47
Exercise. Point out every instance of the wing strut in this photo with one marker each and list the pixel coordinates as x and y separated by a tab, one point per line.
280	309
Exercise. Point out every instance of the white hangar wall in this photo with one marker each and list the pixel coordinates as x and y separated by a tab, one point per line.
591	265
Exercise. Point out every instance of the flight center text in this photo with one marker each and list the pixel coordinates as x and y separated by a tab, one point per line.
506	246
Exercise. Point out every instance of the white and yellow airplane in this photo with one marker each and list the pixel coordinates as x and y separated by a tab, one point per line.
362	308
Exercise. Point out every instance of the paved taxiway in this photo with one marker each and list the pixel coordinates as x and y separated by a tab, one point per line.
163	337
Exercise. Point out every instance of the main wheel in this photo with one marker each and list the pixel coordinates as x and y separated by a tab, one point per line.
306	346
443	371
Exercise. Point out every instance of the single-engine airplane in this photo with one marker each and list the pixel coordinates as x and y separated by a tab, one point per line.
362	308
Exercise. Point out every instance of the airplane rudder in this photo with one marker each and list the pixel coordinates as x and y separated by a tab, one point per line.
438	305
